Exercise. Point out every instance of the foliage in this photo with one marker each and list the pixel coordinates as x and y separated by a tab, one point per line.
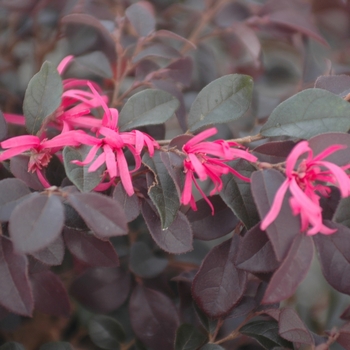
152	197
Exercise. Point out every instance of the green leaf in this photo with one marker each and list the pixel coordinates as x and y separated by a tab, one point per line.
342	214
80	176
308	113
147	107
42	97
188	337
265	333
223	100
162	190
106	332
236	193
208	323
95	62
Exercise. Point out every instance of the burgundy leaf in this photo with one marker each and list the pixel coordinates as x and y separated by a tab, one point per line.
157	50
338	84
206	226
89	249
104	216
292	271
344	336
218	284
264	187
249	39
181	70
12	192
323	141
50	296
346	314
176	239
141	17
297	21
102	289
256	253
130	204
274	152
292	328
36	222
243	308
15	291
334	255
19	168
53	254
154	318
166	34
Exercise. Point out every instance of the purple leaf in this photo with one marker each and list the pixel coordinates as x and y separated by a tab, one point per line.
12	192
176	239
264	187
53	254
243	308
104	216
89	249
274	152
218	284
102	289
323	141
50	296
181	70
141	17
157	50
36	222
292	271
15	291
19	168
3	126
346	314
337	84
130	204
206	226
154	318
334	255
256	253
292	328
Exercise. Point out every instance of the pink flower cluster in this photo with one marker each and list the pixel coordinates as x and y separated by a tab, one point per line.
313	175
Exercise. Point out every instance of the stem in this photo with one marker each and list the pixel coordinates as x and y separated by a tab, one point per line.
249	139
206	18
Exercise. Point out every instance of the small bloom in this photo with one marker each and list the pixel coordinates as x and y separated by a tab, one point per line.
208	159
311	178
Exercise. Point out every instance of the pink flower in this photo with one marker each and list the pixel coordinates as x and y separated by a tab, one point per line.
207	159
113	143
41	151
311	177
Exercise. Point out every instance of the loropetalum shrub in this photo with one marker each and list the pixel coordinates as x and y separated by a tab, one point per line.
87	167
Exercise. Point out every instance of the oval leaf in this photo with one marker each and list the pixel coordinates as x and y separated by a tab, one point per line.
106	332
176	239
292	328
292	271
147	107
95	62
49	294
161	189
334	255
12	192
130	204
53	254
141	17
42	97
218	284
102	289
36	222
154	318
3	126
264	187
80	176
15	291
143	263
102	214
308	113
188	337
223	100
89	249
